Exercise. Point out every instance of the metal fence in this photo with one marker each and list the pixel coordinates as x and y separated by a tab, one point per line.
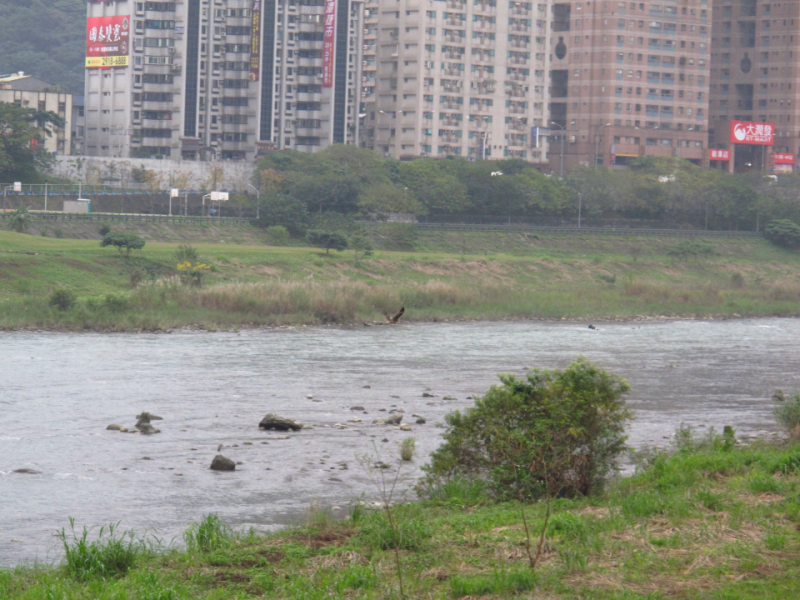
87	189
134	218
583	230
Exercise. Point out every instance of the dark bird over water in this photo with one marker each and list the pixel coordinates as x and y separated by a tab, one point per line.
592	326
395	318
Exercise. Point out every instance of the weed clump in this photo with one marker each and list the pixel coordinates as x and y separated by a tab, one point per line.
788	415
407	449
211	533
110	555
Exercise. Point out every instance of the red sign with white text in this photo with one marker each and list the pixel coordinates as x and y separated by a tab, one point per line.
107	42
327	43
719	154
747	132
783	158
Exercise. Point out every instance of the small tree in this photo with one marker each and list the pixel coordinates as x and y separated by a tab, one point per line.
326	239
123	241
558	432
359	242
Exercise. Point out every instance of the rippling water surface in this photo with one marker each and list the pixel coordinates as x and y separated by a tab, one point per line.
59	391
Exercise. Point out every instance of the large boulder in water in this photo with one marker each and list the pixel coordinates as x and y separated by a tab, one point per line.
221	463
273	421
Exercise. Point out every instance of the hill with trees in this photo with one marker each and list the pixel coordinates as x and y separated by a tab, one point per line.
46	39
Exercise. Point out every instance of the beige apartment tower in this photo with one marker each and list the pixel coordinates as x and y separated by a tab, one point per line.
629	79
755	76
461	78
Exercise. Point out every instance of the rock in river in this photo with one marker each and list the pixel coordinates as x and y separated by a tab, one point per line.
116	427
147	429
393	420
221	463
273	421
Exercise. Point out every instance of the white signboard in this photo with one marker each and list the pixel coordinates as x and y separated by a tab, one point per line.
17	186
174	193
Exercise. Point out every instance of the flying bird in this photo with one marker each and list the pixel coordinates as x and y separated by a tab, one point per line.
395	318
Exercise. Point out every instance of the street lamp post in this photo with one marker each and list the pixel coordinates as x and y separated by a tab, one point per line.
562	146
580	206
597	142
258	199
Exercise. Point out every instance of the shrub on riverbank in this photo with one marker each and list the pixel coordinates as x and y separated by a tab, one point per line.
558	433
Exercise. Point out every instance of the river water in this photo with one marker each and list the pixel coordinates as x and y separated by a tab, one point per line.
59	391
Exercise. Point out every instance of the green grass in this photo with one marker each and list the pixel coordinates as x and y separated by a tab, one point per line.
708	522
548	277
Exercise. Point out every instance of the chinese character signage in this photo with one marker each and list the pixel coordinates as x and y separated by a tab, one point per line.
327	43
783	158
107	42
255	41
714	154
746	132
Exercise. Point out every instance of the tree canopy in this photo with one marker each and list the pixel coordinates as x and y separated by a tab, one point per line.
298	189
20	160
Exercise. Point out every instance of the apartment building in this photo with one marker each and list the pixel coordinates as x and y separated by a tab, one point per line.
456	78
629	79
755	77
203	79
32	92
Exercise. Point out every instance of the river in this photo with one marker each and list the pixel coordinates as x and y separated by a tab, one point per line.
59	391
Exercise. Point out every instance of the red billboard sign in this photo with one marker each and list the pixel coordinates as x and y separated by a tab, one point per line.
783	158
327	43
714	154
747	132
255	41
107	42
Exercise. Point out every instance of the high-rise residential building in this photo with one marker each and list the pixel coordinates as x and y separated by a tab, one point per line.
197	79
629	79
31	92
755	77
456	78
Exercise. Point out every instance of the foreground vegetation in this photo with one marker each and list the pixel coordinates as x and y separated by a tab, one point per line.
712	521
441	276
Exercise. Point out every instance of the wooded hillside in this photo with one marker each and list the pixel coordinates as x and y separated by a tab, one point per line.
46	39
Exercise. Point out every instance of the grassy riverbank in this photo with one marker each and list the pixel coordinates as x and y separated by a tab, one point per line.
707	522
448	277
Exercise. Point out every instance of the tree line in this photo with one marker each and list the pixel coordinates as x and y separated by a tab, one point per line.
346	180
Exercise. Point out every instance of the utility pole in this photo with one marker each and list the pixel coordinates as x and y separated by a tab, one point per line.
563	131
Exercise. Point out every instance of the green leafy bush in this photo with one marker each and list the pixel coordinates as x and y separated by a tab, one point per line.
555	433
692	249
783	233
62	299
123	241
104	229
326	239
186	253
278	235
